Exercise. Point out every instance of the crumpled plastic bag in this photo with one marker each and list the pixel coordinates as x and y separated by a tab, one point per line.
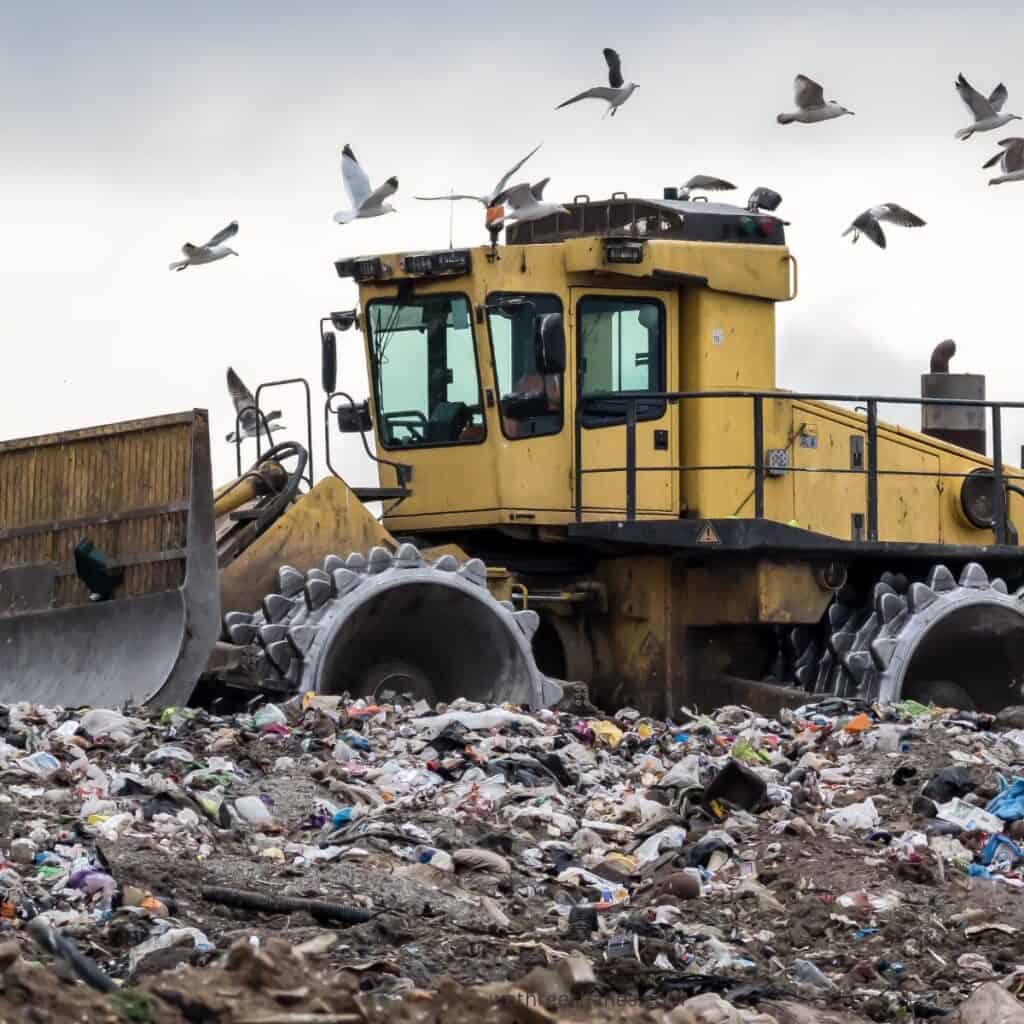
1008	804
653	847
855	817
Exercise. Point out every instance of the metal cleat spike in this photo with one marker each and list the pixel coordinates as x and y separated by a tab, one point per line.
271	634
345	581
805	675
280	655
974	577
890	606
236	619
838	615
941	580
276	607
380	559
447	563
920	596
880	590
882	650
867	632
317	593
242	633
527	621
356	562
332	563
858	664
408	557
317	574
475	571
301	638
289	580
999	585
896	580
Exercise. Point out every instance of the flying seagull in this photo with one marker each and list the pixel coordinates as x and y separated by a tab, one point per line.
249	421
526	202
705	183
987	112
1010	159
811	106
490	198
869	222
614	94
365	203
209	252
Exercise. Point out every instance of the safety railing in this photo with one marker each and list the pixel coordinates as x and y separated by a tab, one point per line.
264	427
871	470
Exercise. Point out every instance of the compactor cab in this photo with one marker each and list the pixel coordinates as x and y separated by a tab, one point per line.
587	472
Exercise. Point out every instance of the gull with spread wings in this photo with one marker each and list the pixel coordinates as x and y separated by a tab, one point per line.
491	197
366	202
1010	159
525	202
811	105
248	419
704	183
208	252
615	93
869	222
988	112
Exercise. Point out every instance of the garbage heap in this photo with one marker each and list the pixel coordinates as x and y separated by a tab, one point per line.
334	860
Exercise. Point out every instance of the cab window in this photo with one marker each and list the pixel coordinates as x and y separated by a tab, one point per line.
425	374
530	402
621	348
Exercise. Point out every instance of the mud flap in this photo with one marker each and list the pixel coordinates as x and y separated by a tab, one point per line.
142	492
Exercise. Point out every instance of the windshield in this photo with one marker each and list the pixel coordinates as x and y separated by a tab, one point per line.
425	372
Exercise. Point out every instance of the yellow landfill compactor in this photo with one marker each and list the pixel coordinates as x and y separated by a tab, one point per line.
587	472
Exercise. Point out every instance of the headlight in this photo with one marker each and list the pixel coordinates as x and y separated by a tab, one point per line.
977	498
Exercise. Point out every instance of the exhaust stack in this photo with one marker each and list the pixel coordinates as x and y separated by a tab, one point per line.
958	424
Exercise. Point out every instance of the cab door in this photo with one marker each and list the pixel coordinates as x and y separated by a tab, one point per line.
622	348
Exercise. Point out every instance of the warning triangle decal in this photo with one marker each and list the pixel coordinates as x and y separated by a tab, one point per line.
708	535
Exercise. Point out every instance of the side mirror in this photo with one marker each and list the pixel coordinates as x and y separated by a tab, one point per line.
550	343
329	362
354	419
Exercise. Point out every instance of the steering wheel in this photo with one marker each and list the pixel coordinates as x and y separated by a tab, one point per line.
400	419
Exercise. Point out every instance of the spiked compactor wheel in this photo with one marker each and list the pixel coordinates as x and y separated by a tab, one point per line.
394	622
943	639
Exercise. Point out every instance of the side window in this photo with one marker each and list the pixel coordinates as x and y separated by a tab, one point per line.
425	371
621	349
530	402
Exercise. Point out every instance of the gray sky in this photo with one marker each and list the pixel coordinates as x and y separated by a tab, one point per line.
125	132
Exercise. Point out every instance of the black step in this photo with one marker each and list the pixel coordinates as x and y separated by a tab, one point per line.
380	493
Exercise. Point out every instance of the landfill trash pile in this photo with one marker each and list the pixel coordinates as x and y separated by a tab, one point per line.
333	860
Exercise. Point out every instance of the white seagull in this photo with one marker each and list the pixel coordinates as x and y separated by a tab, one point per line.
248	419
365	202
869	222
811	106
526	202
1010	159
489	199
614	94
704	183
987	112
209	252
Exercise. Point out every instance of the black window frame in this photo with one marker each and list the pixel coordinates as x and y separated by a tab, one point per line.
651	409
492	296
374	373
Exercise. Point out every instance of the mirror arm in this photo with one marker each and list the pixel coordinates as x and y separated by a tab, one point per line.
403	471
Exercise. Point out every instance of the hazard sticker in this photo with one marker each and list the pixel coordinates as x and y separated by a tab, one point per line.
708	535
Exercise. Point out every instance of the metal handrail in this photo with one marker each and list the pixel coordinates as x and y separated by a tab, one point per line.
871	468
309	418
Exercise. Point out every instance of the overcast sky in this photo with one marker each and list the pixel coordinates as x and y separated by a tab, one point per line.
127	129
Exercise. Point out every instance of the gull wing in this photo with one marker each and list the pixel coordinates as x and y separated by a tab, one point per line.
504	180
614	68
867	224
537	190
240	394
599	92
897	214
518	196
998	97
807	92
223	235
992	160
709	183
378	195
357	184
1013	155
454	195
980	107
